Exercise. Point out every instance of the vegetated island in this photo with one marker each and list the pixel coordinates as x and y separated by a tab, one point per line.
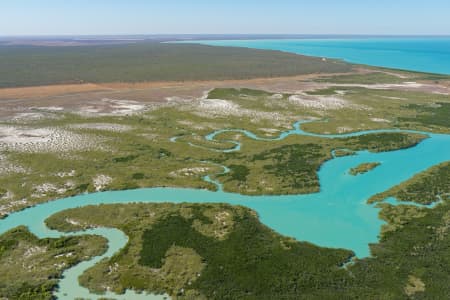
363	168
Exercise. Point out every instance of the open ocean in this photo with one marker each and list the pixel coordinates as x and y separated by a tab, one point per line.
415	54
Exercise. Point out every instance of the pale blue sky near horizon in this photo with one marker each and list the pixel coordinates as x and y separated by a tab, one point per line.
118	17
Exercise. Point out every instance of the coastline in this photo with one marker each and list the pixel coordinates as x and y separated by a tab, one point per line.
392	55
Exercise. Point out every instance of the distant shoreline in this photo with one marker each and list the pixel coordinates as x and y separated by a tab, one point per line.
124	39
413	53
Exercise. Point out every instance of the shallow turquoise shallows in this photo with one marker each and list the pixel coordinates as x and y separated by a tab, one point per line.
337	217
415	54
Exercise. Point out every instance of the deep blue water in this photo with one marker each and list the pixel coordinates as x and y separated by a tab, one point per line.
416	54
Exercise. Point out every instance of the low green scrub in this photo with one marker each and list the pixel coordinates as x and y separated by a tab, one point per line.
149	61
369	78
236	94
430	115
380	109
144	156
31	267
3	192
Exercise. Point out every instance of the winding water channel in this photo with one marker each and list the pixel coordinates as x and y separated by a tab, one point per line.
338	216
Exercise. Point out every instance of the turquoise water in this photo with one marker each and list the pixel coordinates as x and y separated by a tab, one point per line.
337	217
70	289
296	130
416	54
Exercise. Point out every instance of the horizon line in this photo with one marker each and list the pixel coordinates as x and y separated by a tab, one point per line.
225	34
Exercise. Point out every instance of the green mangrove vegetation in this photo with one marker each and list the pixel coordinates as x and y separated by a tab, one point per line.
425	188
217	251
292	167
31	267
363	168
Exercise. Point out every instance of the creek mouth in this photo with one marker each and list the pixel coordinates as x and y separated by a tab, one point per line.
336	217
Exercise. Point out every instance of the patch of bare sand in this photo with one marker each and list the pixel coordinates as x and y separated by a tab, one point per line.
344	129
112	107
380	120
211	108
185	172
323	102
415	285
10	206
101	182
44	189
102	127
26	139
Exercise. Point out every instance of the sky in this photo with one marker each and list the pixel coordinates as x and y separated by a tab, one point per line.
120	17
